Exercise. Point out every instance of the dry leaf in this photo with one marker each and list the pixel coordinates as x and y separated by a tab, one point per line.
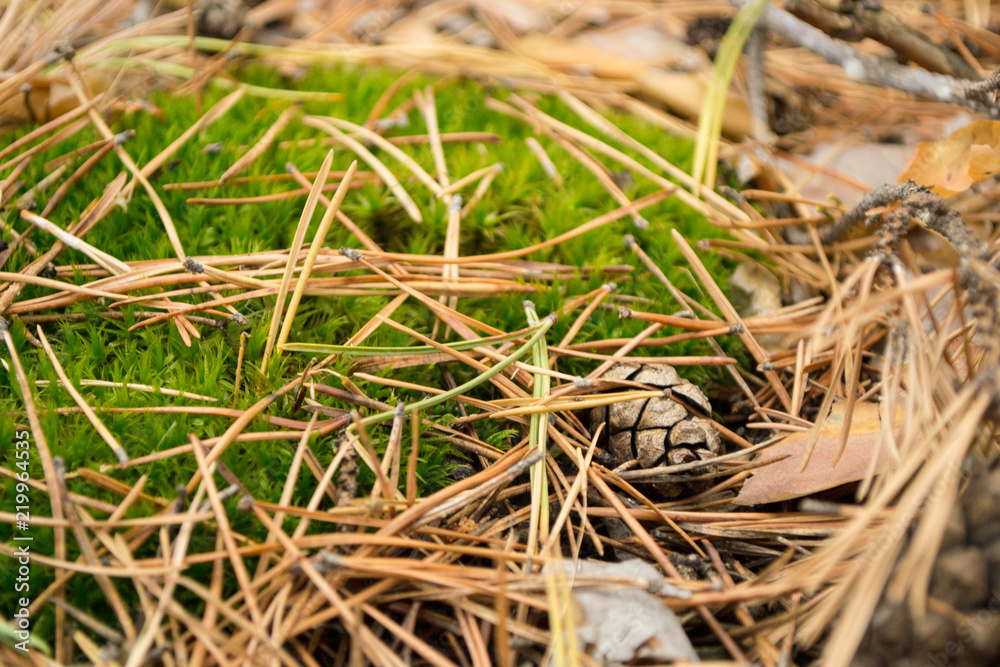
955	163
864	162
618	625
785	479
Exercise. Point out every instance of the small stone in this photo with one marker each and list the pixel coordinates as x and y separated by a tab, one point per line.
992	553
931	633
982	507
961	578
983	635
891	627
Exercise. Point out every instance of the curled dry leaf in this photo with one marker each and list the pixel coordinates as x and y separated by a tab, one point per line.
784	479
953	164
619	624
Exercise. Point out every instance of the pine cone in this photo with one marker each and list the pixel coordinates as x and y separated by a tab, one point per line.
966	577
659	431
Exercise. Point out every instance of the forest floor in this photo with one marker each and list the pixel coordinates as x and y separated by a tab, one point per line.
471	333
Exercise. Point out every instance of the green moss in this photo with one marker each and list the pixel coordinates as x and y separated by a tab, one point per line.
521	208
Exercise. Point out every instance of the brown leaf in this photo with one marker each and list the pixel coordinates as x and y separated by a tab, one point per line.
785	479
955	163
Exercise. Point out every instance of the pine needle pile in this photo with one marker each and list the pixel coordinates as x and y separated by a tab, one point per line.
399	412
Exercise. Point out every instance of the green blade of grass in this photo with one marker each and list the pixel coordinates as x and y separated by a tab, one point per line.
710	118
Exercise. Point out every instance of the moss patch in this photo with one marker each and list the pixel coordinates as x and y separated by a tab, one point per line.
522	207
